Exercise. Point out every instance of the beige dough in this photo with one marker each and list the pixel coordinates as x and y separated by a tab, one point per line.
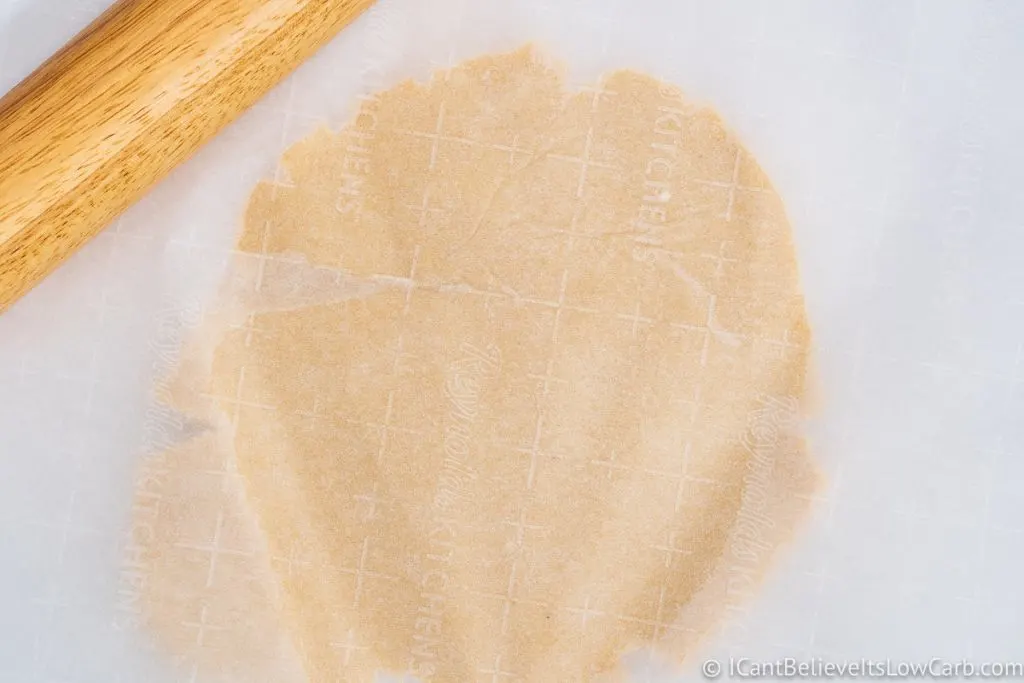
538	408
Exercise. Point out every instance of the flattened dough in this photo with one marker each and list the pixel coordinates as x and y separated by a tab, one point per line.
557	422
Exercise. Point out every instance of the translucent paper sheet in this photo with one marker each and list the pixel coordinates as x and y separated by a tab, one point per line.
890	132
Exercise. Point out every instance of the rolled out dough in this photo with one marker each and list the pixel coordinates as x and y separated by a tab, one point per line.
539	406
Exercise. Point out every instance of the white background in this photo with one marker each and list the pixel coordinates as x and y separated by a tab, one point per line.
893	131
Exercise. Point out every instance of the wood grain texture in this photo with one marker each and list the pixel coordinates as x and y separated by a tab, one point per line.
131	97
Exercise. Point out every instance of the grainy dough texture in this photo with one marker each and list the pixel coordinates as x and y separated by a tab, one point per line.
516	391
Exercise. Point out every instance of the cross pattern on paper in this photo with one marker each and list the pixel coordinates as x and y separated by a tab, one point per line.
573	233
687	478
710	329
585	162
720	258
732	186
521	526
237	402
361	573
215	549
202	626
586	613
659	624
635	319
598	92
292	561
231	478
437	136
348	646
385	424
508	598
535	446
496	673
670	549
423	209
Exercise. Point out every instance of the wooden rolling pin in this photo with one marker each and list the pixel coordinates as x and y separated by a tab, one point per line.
127	100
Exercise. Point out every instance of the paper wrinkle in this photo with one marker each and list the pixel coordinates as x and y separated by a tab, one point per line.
260	283
460	423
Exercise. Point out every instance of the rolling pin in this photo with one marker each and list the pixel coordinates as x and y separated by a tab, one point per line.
128	99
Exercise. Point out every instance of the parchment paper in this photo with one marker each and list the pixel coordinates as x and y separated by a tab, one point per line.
545	417
890	129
